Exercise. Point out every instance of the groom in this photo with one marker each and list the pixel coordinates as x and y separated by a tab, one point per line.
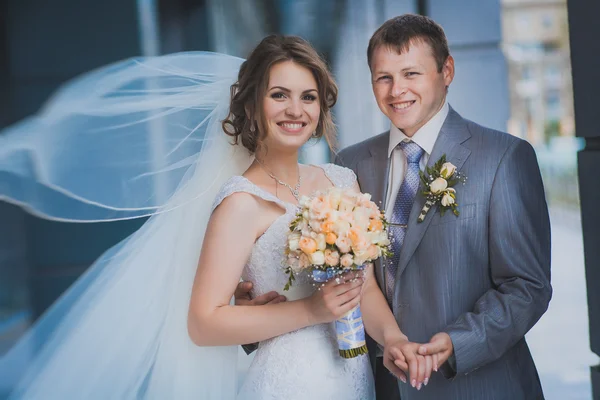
469	286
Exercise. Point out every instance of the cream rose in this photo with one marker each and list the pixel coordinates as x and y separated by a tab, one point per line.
335	196
294	262
438	185
344	244
448	170
317	258
294	241
332	257
303	261
315	225
361	218
321	244
347	202
341	228
347	260
447	200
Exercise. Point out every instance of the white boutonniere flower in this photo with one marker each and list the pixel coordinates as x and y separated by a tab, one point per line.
438	187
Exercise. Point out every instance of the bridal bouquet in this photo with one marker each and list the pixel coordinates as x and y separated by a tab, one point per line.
334	232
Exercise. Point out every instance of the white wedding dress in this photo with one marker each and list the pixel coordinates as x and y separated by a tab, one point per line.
304	364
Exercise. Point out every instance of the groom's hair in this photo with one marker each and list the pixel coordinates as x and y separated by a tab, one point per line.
400	32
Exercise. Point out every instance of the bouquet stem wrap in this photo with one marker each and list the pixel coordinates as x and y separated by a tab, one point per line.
349	328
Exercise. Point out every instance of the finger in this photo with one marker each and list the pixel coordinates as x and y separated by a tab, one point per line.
435	346
413	367
348	296
435	362
278	299
443	357
346	286
243	289
397	372
428	369
401	364
265	298
397	354
346	308
421	371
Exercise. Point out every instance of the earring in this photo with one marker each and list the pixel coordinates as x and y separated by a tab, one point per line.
252	129
314	134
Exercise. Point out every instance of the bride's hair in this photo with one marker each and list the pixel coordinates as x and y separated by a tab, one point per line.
247	94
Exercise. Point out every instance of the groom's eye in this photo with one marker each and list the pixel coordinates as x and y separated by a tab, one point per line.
411	73
384	78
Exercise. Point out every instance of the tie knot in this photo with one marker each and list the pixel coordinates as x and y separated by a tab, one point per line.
413	151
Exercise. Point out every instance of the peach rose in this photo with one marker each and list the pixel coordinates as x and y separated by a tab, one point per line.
327	226
308	245
375	225
359	241
332	257
330	238
347	260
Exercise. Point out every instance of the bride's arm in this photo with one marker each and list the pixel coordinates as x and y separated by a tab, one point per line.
212	321
400	355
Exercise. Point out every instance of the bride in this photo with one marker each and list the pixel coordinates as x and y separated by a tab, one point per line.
153	317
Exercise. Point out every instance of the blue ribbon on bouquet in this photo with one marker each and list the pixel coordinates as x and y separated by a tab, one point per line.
350	329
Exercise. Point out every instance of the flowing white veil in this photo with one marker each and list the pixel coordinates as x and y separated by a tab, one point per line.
141	137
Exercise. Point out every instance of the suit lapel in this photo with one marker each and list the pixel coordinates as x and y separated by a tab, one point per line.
453	133
373	175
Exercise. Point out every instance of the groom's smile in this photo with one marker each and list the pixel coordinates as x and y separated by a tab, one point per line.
402	106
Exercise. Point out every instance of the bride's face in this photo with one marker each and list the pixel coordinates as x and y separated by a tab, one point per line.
291	106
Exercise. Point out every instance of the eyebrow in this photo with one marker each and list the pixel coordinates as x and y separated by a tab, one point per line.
403	70
288	90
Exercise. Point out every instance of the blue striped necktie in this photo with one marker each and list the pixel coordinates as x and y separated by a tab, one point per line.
401	210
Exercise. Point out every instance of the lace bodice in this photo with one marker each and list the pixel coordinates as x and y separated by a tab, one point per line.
303	364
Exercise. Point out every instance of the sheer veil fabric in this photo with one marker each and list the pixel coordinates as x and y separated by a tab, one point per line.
141	137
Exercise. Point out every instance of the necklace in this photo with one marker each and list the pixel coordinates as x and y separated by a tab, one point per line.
294	190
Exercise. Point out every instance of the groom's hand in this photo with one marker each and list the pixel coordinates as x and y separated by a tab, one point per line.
441	346
242	296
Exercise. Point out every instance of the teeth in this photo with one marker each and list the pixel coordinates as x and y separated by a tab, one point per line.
402	106
291	126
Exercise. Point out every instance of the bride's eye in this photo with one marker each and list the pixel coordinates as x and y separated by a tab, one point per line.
309	97
278	96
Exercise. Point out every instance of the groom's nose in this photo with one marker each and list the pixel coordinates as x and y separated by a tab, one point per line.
398	89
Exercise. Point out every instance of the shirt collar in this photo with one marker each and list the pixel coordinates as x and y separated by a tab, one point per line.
425	137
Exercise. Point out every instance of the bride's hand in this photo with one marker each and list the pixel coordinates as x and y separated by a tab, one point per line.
334	299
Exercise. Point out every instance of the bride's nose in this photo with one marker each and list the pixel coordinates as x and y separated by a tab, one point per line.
294	109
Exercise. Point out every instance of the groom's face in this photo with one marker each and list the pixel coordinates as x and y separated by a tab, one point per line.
408	87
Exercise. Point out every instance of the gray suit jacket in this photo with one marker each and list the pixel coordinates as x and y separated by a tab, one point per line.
484	276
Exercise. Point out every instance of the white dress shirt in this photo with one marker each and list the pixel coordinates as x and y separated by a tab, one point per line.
424	137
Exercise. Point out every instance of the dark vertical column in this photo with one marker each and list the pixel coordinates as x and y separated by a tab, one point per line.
585	60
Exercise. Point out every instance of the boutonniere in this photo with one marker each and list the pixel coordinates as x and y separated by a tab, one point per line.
438	187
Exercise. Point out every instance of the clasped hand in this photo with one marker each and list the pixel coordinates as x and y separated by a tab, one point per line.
405	359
